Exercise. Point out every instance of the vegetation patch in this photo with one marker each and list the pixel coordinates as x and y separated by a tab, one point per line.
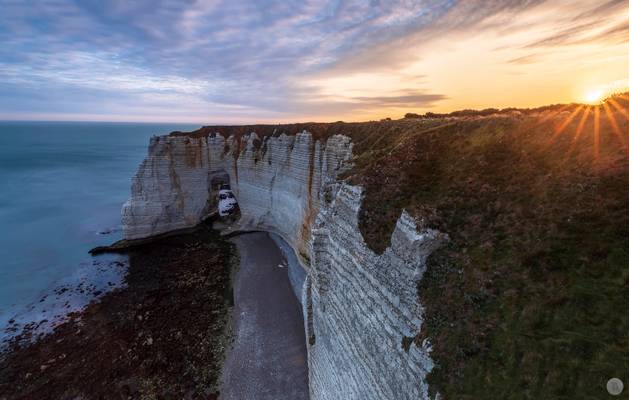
528	300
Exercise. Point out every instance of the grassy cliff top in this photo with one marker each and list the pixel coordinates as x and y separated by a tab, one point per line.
528	300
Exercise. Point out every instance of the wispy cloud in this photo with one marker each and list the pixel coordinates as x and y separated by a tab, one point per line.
219	60
214	52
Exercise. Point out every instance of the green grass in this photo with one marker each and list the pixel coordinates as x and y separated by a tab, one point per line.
529	299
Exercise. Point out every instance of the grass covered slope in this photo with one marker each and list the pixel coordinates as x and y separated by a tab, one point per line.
529	299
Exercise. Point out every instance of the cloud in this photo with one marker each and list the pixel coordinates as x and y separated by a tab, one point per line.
248	53
409	99
599	23
523	60
224	58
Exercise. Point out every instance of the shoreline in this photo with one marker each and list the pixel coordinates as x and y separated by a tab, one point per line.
68	296
170	321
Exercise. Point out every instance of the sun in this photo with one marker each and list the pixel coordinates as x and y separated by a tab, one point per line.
594	96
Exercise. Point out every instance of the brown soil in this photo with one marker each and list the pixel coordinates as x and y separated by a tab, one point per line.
161	337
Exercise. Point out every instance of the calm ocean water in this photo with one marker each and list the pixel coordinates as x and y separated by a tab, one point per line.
61	189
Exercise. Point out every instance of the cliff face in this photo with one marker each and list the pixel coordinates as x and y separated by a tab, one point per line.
362	307
359	307
278	182
170	191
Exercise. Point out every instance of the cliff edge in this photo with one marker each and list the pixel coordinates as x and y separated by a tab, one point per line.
358	306
524	294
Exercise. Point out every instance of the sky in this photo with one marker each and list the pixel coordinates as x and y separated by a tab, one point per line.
233	61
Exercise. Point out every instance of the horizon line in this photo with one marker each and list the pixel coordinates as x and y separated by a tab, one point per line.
4	119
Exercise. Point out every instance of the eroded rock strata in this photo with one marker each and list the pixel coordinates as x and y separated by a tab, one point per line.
359	307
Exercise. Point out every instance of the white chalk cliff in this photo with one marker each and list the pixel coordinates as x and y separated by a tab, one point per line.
358	306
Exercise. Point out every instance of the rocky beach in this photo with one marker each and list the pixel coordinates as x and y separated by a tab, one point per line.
163	335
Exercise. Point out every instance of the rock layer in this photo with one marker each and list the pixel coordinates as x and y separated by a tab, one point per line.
360	308
363	307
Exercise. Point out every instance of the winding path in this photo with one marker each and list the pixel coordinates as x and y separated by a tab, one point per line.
268	356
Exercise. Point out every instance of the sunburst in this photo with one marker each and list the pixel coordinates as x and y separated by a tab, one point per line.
612	108
580	127
597	132
552	114
614	124
619	108
594	96
559	129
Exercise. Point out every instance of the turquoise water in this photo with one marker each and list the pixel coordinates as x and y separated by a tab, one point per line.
61	189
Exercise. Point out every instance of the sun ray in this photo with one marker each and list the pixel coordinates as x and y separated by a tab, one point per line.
615	128
577	134
622	101
619	108
552	114
564	124
597	131
579	131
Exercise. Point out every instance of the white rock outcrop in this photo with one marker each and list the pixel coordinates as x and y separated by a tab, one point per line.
358	306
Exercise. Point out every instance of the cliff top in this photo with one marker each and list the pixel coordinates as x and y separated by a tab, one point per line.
358	130
529	293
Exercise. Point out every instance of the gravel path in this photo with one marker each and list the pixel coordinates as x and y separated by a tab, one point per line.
268	355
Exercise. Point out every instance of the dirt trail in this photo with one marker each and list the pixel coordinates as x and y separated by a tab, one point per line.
268	355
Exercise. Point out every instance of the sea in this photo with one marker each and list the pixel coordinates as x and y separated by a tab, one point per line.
62	186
